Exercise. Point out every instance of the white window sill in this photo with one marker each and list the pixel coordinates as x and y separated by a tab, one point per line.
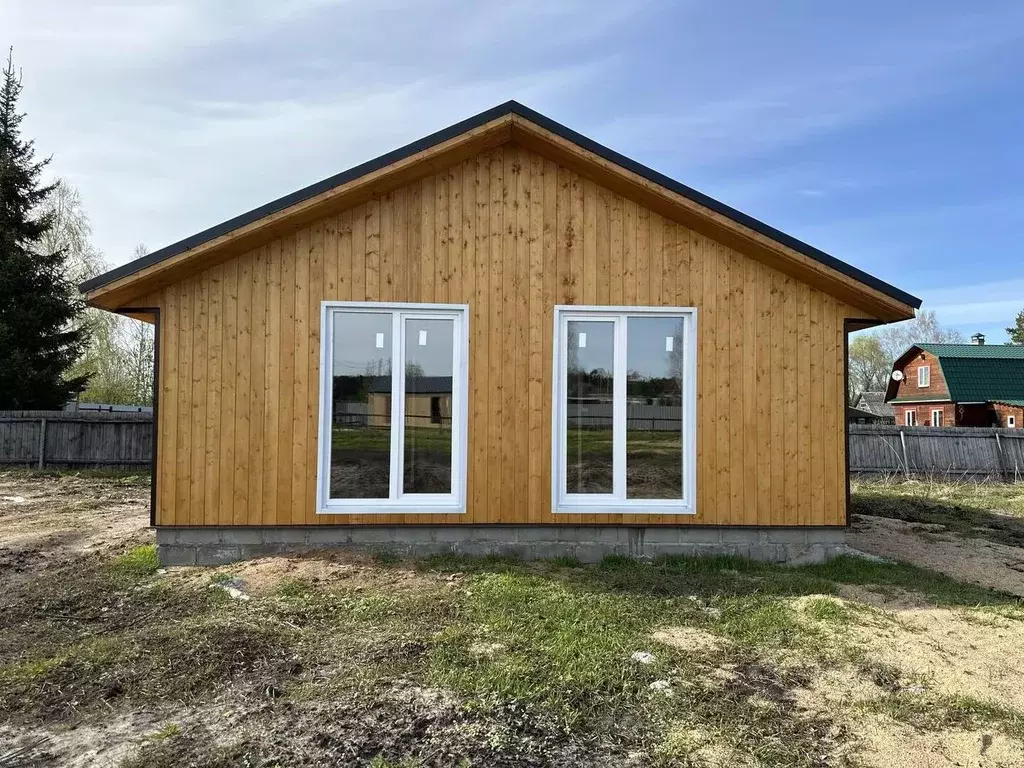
625	509
394	509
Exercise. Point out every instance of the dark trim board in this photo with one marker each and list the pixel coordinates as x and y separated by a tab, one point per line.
155	312
456	526
850	324
508	108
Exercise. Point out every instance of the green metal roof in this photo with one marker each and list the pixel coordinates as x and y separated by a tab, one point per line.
978	373
974	351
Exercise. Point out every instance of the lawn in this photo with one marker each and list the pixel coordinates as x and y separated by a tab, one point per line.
343	660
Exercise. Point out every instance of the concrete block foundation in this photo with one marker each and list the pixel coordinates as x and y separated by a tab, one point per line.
589	543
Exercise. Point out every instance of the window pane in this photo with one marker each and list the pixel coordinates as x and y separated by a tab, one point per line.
589	389
428	406
654	408
361	406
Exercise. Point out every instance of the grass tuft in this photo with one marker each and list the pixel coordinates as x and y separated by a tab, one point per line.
138	563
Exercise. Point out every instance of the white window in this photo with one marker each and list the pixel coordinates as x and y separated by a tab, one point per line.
393	394
624	424
936	418
1011	422
911	416
924	375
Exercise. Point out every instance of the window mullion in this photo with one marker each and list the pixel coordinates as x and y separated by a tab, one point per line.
619	411
397	402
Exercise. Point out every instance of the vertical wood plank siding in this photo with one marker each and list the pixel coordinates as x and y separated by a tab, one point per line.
511	234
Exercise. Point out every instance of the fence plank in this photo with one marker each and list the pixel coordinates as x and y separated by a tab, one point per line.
951	452
76	439
125	440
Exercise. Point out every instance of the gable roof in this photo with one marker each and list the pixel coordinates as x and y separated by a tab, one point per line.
874	402
505	122
979	373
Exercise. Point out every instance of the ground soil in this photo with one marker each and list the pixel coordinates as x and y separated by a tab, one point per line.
973	559
909	646
49	520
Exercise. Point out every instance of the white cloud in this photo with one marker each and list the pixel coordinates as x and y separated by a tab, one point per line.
172	116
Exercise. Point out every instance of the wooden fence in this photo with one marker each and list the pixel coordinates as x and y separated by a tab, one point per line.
125	440
76	439
951	452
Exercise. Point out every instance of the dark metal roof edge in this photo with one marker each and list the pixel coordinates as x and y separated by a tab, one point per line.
509	107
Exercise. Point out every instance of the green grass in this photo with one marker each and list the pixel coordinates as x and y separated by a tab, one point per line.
138	562
379	438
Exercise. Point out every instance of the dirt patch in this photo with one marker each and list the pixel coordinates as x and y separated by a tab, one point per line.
973	559
330	569
80	746
966	653
689	639
403	725
888	744
47	521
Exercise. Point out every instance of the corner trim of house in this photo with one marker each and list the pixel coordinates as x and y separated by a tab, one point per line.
850	324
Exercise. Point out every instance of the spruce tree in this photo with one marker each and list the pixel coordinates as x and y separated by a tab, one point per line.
1016	331
40	333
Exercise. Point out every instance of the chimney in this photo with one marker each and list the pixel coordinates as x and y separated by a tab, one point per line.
978	339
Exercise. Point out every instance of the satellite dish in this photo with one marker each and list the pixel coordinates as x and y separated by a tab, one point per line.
897	375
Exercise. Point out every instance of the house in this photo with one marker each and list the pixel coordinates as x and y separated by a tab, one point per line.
857	416
873	404
628	362
959	385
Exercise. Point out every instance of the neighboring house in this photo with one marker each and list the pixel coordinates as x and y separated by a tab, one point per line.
959	385
544	274
857	416
874	404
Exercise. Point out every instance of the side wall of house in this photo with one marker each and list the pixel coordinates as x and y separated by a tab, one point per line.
511	234
937	383
1001	411
924	414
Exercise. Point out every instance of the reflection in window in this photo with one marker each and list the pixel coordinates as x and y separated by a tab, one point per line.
588	412
361	406
626	389
427	460
654	407
393	416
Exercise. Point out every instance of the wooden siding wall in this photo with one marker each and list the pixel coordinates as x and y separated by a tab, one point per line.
511	234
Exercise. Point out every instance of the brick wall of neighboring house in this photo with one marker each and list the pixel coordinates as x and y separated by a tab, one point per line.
908	387
974	415
924	413
1002	411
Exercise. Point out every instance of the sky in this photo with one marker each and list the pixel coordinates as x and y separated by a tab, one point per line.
887	134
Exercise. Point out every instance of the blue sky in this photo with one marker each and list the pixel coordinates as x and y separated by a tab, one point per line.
888	134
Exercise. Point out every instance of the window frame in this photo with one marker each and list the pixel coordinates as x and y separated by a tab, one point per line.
927	371
936	412
1011	421
398	502
616	502
910	415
